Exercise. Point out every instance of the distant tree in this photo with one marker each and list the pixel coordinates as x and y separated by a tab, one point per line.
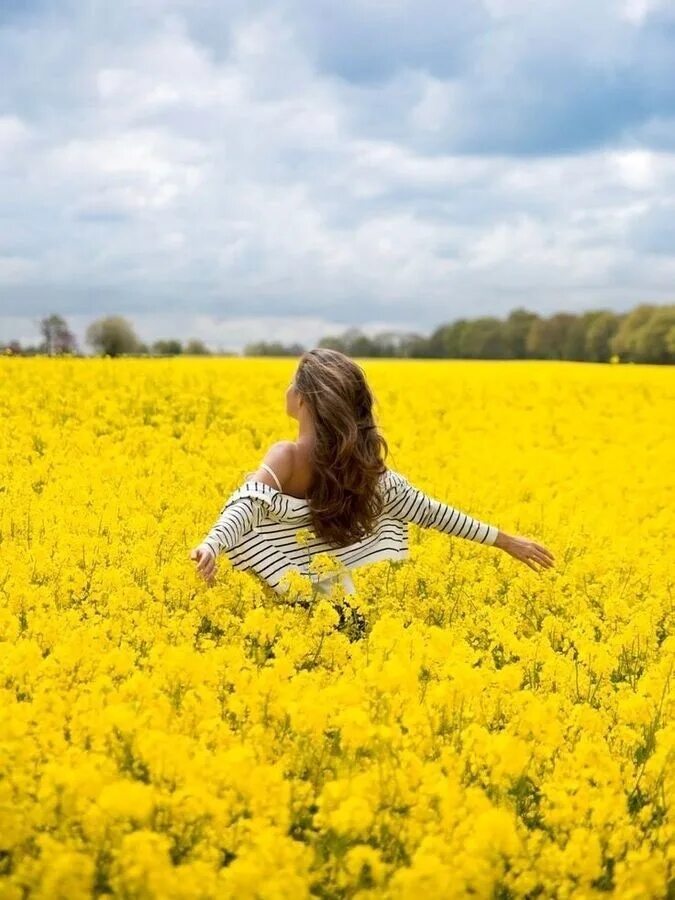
574	335
625	341
112	336
451	336
556	337
170	347
356	343
352	342
416	345
538	343
652	337
433	347
332	342
670	341
516	329
483	338
646	334
272	348
386	344
599	334
58	339
195	347
361	346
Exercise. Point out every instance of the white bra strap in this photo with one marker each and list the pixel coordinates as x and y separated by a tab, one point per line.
272	473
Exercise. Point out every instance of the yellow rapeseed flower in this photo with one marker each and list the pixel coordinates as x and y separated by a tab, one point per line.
495	731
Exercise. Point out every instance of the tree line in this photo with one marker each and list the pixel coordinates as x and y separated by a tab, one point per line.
645	334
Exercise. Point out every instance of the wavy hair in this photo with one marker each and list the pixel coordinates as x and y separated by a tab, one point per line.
349	452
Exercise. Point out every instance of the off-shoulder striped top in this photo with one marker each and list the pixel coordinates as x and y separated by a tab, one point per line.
257	529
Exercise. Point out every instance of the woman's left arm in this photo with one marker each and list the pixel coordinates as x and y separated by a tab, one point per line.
409	504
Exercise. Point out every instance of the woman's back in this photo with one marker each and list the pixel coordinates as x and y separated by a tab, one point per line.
299	483
258	528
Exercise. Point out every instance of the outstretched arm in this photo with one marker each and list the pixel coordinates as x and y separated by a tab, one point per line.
241	514
239	517
410	504
234	522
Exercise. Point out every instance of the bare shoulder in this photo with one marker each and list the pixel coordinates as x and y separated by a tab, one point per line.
281	459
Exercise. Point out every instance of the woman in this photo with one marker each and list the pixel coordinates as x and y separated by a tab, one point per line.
333	479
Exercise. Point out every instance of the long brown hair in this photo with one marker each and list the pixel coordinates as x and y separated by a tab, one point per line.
349	452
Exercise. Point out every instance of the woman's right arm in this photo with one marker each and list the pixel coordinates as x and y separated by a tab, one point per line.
247	506
235	520
244	510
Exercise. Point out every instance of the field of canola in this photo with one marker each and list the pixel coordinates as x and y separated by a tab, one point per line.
497	733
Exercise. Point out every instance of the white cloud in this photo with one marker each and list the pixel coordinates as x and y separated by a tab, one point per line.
181	172
636	168
636	11
15	269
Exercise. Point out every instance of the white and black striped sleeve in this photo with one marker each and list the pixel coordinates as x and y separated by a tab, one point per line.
409	504
244	510
236	519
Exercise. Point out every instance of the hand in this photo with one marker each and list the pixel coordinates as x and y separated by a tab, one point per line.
205	559
525	550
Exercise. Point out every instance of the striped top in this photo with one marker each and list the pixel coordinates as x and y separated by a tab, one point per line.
257	529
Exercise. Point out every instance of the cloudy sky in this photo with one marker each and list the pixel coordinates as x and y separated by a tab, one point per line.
241	170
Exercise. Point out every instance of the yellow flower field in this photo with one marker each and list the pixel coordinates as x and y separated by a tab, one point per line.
497	732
